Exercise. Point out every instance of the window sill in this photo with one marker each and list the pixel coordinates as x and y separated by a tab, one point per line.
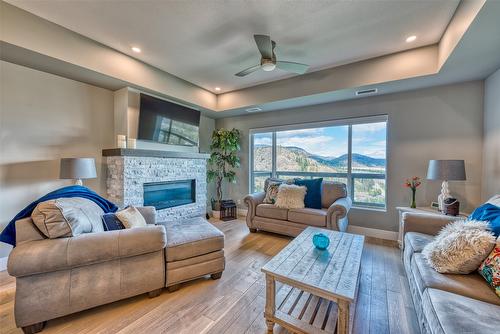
366	208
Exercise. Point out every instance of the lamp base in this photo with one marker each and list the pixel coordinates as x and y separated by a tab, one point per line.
445	193
78	182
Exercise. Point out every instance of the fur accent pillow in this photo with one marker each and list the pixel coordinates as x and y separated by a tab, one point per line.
460	247
290	196
271	193
131	217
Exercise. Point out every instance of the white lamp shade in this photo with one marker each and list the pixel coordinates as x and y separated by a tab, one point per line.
77	168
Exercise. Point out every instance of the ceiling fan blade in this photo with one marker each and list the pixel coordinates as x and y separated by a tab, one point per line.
248	71
290	66
265	45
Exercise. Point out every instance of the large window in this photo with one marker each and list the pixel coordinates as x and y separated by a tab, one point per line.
351	151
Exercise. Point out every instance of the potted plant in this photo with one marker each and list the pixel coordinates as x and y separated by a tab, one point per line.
223	160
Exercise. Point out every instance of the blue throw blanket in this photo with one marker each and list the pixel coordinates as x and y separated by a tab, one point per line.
490	213
8	235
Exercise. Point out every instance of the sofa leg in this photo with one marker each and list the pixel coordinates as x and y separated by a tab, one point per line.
35	328
173	288
154	293
252	230
216	275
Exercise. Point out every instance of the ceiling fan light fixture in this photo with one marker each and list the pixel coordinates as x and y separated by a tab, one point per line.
268	65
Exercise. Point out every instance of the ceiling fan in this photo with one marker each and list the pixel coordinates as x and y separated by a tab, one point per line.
268	60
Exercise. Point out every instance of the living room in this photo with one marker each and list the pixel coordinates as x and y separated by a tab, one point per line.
279	134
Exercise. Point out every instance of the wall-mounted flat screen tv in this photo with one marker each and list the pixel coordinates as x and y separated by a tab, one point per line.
168	123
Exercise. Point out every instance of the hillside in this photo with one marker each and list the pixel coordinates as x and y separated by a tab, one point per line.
297	159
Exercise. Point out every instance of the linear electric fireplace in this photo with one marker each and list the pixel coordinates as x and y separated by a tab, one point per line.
168	194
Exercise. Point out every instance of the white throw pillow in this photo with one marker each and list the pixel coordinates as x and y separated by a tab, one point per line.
460	247
290	196
131	217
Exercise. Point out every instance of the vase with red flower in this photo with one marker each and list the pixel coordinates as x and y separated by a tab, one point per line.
413	184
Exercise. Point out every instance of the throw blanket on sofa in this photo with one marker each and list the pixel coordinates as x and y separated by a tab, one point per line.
8	235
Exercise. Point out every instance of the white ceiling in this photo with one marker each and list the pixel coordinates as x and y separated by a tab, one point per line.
207	41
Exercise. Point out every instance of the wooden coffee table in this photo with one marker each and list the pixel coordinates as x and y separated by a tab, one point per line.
317	289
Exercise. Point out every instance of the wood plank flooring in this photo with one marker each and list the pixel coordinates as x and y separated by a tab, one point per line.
235	303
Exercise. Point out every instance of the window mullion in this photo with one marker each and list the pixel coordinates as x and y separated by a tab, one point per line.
273	155
350	180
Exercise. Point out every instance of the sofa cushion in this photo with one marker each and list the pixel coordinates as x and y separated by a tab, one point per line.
307	216
291	196
67	217
272	192
271	211
313	194
490	268
191	237
414	243
449	313
332	191
470	285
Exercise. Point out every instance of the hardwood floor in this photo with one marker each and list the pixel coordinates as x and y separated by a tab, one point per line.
235	303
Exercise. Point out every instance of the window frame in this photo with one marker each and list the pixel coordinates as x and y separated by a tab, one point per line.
329	123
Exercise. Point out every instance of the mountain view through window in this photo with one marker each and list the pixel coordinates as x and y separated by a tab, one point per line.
326	152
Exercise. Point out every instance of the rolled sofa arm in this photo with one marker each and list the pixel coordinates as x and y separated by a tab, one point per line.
252	200
337	214
425	223
48	255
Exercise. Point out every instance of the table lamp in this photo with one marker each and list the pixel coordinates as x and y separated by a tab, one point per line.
445	170
77	169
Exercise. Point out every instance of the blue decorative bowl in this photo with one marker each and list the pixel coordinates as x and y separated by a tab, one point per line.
321	241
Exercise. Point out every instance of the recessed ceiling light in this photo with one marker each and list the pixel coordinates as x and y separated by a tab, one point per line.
217	88
254	109
410	39
136	49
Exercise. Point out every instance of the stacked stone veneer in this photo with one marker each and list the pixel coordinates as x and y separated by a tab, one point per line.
127	175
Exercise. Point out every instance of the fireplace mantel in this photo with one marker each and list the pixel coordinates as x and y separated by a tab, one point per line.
129	152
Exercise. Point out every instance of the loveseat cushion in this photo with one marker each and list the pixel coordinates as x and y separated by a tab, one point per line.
271	211
191	237
470	285
449	313
307	216
48	255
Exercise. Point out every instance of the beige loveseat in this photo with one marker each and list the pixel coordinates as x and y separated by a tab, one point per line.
56	277
445	303
333	215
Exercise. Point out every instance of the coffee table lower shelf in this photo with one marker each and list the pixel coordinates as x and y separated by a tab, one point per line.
302	312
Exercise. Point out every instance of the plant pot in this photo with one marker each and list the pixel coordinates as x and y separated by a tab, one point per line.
216	214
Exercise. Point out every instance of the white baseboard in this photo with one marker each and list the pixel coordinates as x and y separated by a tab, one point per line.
242	212
373	232
3	263
366	231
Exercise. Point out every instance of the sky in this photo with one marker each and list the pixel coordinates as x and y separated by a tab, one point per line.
367	139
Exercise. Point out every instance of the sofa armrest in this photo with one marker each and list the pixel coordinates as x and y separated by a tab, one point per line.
337	214
48	255
149	213
425	223
252	200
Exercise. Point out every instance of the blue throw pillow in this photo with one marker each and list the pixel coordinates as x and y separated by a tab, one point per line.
111	223
488	212
313	195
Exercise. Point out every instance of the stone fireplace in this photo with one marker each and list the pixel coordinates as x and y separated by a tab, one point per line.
173	182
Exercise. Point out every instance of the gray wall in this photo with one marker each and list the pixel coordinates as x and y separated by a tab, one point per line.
44	117
443	122
491	152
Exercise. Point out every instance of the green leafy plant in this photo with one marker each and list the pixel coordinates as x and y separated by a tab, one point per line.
223	160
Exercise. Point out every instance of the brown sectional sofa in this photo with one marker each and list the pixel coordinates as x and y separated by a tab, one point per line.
333	215
445	303
56	277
